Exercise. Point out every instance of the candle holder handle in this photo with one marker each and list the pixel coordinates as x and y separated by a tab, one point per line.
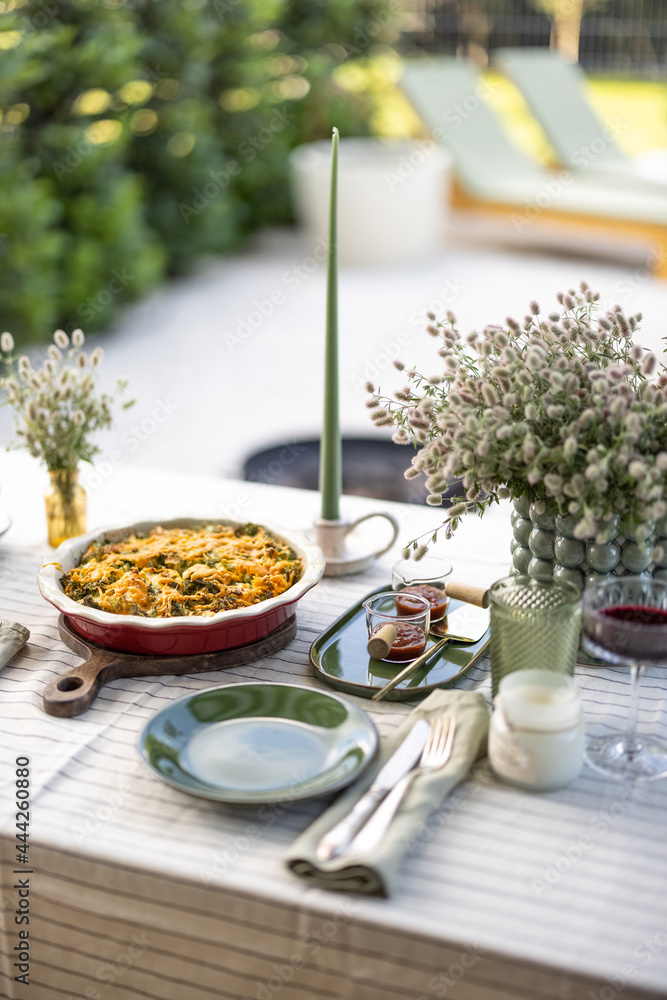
392	520
332	536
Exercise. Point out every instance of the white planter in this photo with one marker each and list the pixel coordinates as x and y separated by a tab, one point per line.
392	197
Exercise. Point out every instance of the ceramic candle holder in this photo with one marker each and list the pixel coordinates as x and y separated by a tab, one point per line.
347	549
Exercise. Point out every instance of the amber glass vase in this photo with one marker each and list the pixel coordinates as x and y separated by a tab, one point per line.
65	506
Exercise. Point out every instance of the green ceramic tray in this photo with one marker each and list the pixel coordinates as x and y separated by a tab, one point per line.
339	657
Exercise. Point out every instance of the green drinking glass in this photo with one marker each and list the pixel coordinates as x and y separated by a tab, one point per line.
535	624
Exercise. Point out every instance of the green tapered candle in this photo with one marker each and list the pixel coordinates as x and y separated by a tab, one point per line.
331	452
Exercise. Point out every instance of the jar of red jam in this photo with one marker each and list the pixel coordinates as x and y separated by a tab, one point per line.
427	577
408	643
435	597
404	624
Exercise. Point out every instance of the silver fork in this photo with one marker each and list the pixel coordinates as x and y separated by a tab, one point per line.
436	753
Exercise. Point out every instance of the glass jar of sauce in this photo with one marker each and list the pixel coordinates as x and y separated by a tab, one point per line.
408	643
404	625
435	597
427	577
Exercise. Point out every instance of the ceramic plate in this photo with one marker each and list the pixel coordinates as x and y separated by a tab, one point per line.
254	743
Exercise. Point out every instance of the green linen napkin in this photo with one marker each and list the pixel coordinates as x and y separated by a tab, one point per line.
12	638
376	875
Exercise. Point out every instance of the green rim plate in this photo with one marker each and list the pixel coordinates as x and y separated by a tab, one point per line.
340	659
255	743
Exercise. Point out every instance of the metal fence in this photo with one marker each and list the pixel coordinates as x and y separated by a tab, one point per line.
627	37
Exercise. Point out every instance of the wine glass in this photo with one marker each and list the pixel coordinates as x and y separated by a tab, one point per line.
625	622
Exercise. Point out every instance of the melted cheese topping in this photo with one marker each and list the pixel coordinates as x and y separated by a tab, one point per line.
183	571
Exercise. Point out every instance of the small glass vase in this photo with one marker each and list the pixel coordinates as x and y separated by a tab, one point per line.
65	505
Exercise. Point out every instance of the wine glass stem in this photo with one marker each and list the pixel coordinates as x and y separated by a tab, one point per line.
631	741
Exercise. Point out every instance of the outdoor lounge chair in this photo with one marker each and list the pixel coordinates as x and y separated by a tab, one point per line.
494	176
555	91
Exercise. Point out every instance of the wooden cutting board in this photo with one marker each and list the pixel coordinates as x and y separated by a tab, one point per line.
73	692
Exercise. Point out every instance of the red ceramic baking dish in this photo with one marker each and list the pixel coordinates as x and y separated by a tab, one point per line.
183	635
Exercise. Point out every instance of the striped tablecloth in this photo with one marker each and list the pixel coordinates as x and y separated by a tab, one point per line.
138	891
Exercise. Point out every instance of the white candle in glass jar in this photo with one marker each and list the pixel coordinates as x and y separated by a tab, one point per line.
536	736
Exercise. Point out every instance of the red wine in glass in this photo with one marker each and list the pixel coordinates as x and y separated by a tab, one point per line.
625	622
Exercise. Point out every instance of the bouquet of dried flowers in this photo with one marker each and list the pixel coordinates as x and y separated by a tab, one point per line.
56	408
564	410
56	413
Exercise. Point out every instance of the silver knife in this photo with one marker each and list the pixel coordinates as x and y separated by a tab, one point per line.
401	761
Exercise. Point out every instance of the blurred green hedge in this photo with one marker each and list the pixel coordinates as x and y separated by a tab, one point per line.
139	135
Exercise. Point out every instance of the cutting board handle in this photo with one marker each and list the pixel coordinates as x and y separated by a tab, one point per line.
73	692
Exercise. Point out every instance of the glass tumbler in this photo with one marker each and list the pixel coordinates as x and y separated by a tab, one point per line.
535	624
402	624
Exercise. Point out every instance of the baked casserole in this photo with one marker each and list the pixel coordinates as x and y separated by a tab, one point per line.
176	571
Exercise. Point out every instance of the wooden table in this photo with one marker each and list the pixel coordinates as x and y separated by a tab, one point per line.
139	891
